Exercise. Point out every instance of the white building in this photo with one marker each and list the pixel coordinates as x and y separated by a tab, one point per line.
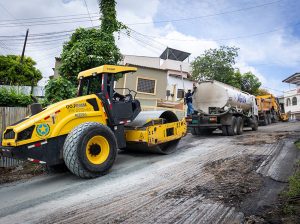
292	97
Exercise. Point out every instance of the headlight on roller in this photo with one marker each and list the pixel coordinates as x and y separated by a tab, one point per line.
25	134
9	134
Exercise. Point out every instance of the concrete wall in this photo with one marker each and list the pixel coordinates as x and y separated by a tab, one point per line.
56	67
175	65
152	62
175	83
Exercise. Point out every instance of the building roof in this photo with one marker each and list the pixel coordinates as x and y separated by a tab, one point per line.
293	79
174	54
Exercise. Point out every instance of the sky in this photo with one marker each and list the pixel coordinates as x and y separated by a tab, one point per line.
267	32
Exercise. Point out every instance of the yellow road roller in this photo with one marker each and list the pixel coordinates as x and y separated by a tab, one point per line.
85	132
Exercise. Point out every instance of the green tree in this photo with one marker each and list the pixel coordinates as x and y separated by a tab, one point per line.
13	72
90	48
216	64
58	89
250	83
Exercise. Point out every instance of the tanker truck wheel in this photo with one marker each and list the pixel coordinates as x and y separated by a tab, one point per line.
90	150
254	126
224	130
232	129
194	131
240	125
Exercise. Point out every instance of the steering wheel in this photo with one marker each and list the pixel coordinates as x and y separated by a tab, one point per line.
128	97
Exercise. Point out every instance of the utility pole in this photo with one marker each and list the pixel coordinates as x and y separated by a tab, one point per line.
24	46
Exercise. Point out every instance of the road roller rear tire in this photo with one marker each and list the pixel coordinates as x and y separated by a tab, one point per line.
90	150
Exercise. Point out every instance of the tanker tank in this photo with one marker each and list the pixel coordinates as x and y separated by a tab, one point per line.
214	94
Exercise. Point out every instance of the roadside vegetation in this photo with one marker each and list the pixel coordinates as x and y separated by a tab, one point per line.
10	97
87	48
292	195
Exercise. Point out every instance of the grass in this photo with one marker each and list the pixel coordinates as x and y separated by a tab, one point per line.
292	195
297	143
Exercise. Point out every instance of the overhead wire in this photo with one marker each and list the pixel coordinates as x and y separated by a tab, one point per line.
87	9
59	17
205	16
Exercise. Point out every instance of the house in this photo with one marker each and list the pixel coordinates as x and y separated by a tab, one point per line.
159	81
292	97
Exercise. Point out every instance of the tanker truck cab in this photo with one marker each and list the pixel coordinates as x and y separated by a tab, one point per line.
221	106
84	133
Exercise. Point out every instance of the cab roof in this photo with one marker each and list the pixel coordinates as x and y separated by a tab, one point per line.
109	69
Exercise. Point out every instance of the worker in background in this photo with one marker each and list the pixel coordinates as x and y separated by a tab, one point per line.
189	101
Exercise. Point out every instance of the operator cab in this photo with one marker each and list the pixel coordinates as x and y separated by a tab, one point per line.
120	108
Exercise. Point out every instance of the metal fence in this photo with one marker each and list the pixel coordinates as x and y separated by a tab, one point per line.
8	116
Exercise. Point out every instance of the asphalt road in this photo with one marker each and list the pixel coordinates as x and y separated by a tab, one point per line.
148	188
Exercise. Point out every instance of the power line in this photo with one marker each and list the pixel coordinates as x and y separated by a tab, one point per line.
54	17
52	20
46	23
8	12
87	9
205	16
229	38
34	23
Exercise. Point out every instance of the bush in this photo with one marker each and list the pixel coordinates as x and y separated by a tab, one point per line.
58	89
11	98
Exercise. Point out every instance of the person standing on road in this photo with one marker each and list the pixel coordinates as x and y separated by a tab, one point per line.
189	101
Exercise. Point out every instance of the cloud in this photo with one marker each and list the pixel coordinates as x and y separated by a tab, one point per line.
278	49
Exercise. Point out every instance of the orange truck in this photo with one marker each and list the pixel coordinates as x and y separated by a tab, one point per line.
269	110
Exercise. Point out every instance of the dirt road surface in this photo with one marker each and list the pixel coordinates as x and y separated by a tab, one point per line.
212	179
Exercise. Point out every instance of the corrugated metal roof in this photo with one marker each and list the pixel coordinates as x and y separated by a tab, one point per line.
174	54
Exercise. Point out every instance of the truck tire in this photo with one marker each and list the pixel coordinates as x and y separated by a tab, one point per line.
269	119
254	126
232	129
275	118
194	131
224	130
240	125
90	150
265	121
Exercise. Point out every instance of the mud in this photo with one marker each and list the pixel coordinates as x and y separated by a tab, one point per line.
265	138
23	171
234	179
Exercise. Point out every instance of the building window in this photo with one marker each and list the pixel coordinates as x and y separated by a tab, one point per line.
294	101
180	93
288	102
146	85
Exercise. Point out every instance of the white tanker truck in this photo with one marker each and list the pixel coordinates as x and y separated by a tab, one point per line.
221	106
